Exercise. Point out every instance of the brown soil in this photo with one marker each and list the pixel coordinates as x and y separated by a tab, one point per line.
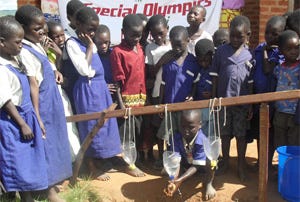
122	187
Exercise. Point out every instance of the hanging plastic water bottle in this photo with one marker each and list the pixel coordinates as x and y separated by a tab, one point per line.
129	152
171	161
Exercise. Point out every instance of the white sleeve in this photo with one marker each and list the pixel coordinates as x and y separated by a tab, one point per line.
148	56
5	92
78	59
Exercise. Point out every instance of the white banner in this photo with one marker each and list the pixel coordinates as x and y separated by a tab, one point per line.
111	12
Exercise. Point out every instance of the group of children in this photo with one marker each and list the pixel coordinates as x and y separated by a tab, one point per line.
188	65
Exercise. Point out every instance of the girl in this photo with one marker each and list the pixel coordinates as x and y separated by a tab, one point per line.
45	97
90	91
22	156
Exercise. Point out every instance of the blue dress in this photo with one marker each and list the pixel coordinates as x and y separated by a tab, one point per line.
23	165
92	95
51	109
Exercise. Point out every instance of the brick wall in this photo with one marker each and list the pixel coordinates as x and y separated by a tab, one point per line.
36	3
251	10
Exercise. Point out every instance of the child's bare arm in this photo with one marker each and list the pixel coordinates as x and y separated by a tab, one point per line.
268	66
161	93
34	92
119	95
214	86
11	110
89	50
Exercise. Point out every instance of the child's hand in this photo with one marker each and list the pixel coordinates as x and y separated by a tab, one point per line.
55	47
43	129
26	132
171	188
112	88
86	39
250	113
206	95
189	98
58	77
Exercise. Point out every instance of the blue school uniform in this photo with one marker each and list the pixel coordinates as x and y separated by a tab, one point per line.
107	67
204	84
197	156
23	165
178	80
234	72
51	109
92	95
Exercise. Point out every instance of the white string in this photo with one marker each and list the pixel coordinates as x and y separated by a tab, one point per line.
129	126
171	128
166	123
133	124
125	123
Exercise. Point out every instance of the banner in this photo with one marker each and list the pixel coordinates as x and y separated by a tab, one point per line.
8	7
111	12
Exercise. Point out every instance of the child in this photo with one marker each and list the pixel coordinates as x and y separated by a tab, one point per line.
90	91
57	40
266	56
102	42
292	21
231	77
72	7
286	131
45	97
128	68
221	37
144	40
188	142
23	164
195	17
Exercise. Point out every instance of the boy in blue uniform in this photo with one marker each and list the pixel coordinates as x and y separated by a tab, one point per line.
231	72
188	142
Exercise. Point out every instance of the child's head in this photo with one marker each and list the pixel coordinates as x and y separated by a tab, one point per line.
239	31
190	121
102	39
293	21
179	38
288	43
204	50
132	29
196	15
11	36
56	33
72	7
33	22
87	21
145	34
158	27
274	27
220	37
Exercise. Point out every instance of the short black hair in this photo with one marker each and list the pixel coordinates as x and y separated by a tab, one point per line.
25	14
51	25
131	20
86	14
201	7
156	20
277	20
178	30
241	20
142	16
102	29
293	21
73	6
192	113
203	47
285	36
8	26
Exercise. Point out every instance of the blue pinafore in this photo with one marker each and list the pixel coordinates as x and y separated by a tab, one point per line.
51	109
23	164
92	95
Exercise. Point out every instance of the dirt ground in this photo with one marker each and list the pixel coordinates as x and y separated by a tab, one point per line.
122	187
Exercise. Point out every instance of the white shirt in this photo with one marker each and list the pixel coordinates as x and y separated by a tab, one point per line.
32	63
153	53
192	43
78	58
10	86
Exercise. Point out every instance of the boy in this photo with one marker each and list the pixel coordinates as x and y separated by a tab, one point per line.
231	77
72	7
188	142
128	70
221	37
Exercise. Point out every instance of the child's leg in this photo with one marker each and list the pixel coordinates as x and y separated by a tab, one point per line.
53	195
26	196
226	139
95	172
241	150
210	191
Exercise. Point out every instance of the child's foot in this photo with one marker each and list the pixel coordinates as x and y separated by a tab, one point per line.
135	172
100	175
210	192
53	196
242	173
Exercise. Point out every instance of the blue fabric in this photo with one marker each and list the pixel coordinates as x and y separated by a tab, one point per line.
198	149
204	84
107	67
178	80
23	165
51	109
234	72
92	95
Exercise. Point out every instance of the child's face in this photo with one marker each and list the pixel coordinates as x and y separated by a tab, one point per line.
179	44
88	28
195	16
133	35
189	126
204	60
221	39
291	50
35	31
102	41
159	34
238	36
12	46
272	33
58	36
